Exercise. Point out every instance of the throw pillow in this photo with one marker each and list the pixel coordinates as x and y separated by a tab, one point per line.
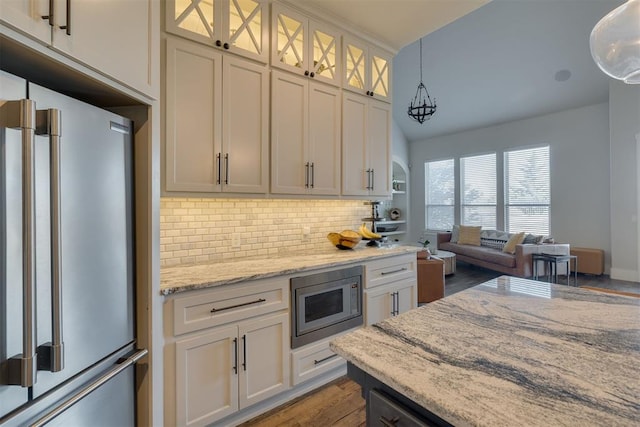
469	235
516	239
455	232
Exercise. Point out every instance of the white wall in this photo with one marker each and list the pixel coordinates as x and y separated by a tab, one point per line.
624	117
399	144
579	148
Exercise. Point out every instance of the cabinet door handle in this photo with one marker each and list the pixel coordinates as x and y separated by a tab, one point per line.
389	422
50	15
219	160
244	352
235	357
368	171
218	43
68	26
313	178
215	310
373	179
317	362
306	175
226	168
393	303
384	273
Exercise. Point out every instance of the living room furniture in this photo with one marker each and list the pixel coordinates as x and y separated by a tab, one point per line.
449	259
516	264
591	260
552	261
430	279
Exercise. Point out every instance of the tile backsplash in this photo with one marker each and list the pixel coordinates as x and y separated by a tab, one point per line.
211	230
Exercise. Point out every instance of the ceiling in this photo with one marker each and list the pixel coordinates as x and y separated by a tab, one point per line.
504	61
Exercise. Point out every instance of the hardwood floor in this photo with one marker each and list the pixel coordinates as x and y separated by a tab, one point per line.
339	403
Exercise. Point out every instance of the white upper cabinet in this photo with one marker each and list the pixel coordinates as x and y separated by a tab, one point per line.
217	121
305	136
367	70
112	37
238	26
29	16
366	146
304	46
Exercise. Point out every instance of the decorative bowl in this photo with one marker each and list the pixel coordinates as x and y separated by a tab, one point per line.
347	239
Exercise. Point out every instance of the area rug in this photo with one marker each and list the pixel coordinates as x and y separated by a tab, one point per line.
611	291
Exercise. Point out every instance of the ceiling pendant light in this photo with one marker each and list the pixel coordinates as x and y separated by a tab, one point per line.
422	108
615	43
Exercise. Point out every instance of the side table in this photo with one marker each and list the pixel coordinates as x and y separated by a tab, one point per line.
552	261
449	259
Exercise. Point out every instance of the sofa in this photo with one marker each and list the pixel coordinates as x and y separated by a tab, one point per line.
489	254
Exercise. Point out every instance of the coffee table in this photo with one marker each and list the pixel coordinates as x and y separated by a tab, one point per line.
449	259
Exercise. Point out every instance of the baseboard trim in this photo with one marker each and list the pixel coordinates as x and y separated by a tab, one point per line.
624	274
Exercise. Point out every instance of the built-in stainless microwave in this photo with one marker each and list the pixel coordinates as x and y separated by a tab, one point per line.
324	304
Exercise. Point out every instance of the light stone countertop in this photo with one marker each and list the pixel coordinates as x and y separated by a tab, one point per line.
199	276
511	352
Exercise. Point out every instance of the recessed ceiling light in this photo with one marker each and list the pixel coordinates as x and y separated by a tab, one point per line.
562	75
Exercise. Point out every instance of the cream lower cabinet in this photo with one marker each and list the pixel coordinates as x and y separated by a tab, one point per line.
217	121
390	287
305	136
366	146
231	368
390	300
226	349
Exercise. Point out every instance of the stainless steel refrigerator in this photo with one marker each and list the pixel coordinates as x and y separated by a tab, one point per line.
67	309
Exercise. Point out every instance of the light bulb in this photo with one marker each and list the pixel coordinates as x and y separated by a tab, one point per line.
615	43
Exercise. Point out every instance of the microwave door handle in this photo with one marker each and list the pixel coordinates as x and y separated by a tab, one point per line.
21	114
51	354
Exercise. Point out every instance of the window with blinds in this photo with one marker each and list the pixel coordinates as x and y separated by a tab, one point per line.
439	178
527	190
478	195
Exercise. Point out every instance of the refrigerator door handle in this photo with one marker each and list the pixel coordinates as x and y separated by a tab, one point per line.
51	354
21	114
106	377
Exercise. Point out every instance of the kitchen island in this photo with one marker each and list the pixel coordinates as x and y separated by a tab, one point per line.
510	352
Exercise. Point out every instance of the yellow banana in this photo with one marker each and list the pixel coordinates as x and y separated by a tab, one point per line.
367	234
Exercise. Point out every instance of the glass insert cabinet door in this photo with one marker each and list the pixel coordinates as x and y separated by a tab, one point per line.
366	70
304	47
235	25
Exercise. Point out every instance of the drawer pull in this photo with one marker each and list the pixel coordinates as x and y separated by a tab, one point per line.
215	310
317	362
383	273
389	422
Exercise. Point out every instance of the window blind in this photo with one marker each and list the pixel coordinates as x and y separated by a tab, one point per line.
439	194
478	198
527	190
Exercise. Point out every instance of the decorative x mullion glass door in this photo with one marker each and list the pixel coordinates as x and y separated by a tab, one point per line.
235	25
289	35
379	73
200	20
324	45
246	28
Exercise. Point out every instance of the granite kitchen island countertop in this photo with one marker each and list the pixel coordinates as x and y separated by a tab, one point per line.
197	276
511	352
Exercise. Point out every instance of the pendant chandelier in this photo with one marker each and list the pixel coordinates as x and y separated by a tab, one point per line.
422	107
615	43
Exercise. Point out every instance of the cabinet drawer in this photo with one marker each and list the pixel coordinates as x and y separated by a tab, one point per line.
389	270
229	304
383	410
313	360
